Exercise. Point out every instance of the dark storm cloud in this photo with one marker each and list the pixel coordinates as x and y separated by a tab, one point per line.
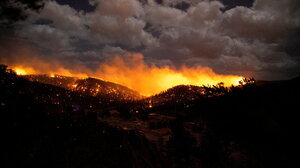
79	5
258	38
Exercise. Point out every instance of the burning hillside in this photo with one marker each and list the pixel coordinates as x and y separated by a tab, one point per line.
132	72
89	86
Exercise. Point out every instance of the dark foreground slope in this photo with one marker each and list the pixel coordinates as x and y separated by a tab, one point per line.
47	126
246	126
254	125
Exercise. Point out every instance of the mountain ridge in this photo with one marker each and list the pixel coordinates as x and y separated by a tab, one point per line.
91	86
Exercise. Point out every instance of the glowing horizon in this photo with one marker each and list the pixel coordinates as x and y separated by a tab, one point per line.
135	74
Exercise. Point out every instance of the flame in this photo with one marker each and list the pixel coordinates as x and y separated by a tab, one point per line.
74	85
20	71
150	79
131	71
23	70
26	70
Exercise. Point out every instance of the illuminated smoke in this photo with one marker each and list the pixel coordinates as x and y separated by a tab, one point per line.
131	71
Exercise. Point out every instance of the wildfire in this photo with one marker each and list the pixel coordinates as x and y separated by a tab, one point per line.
74	85
134	73
20	71
26	70
23	70
150	79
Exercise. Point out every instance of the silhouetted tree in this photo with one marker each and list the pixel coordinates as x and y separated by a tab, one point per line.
3	68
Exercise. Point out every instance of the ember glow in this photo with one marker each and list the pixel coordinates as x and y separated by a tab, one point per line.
134	73
23	70
31	69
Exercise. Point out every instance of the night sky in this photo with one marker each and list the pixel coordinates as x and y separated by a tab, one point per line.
258	39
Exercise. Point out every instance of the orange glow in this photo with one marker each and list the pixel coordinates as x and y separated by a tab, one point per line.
131	71
74	85
23	71
150	79
31	70
20	71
